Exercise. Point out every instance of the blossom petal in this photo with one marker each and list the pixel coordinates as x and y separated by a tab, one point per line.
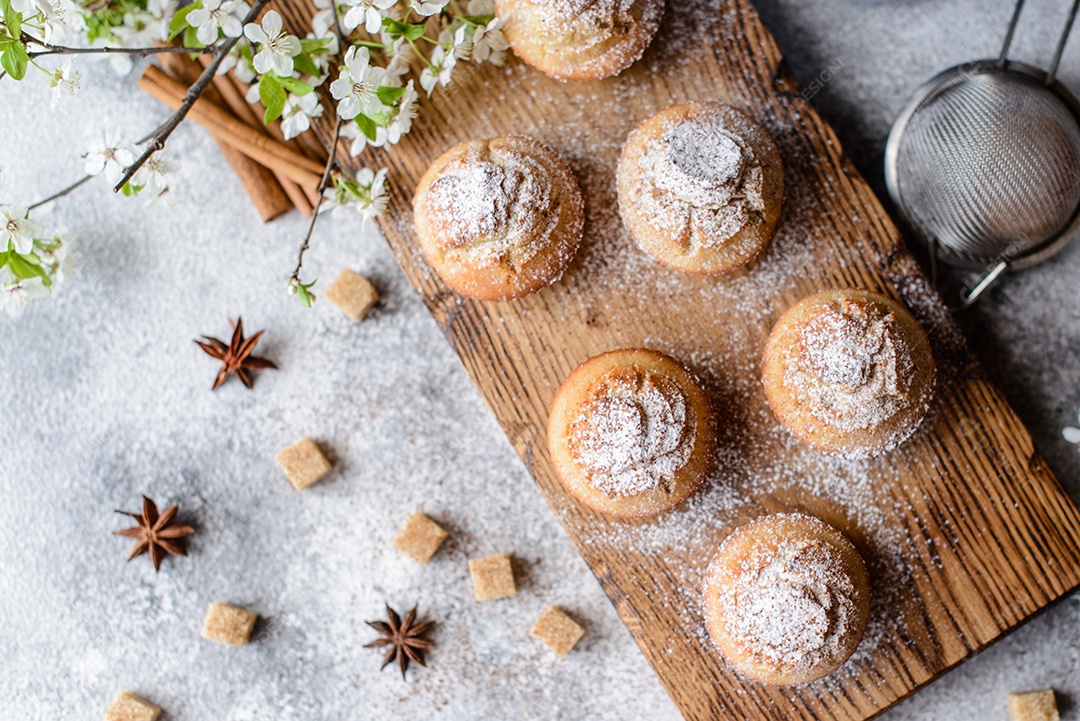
271	23
255	34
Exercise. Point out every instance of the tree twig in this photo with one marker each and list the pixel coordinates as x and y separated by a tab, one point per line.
137	52
318	204
157	142
60	194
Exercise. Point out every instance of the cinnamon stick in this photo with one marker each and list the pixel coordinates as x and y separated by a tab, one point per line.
262	186
222	125
241	108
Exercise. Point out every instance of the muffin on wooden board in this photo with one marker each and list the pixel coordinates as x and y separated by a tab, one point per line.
499	219
700	187
631	433
580	39
787	599
849	372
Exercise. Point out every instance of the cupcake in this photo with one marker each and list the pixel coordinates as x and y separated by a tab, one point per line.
787	599
849	372
631	433
580	39
700	187
499	219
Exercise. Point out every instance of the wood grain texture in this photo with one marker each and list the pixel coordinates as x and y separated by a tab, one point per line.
965	530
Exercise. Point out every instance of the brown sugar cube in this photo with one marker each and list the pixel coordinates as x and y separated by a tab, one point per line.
228	624
129	707
420	538
1033	706
556	630
353	294
304	463
492	577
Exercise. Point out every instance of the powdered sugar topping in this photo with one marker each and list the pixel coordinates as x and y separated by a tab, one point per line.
634	433
853	368
794	609
492	211
701	175
583	23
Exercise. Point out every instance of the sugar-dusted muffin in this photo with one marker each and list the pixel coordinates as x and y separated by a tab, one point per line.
499	219
580	39
787	599
849	372
700	187
631	433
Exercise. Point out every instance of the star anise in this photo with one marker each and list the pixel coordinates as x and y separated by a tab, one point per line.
236	356
158	535
403	641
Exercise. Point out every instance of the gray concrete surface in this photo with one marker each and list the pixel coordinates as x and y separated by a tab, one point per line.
107	398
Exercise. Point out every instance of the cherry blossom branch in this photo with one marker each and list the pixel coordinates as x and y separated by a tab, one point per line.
330	160
60	194
159	138
137	52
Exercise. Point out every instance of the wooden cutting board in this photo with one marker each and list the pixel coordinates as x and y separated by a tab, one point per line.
965	530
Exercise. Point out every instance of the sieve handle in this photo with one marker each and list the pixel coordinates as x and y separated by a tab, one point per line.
970	296
1003	58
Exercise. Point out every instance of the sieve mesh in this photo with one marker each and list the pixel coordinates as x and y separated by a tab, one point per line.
988	164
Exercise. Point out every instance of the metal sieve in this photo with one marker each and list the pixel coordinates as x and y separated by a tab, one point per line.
984	163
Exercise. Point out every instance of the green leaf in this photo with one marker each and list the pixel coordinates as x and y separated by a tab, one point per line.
306	65
273	97
479	19
22	269
4	258
367	126
179	21
295	87
14	60
310	45
397	29
129	190
388	95
191	38
12	18
304	294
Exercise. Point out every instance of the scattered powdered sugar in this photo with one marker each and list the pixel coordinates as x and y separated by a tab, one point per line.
493	211
634	434
791	610
702	175
852	368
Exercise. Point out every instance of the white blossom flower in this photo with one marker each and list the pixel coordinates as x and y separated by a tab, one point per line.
322	58
15	296
153	179
438	73
1072	433
355	87
401	58
276	48
57	257
63	19
17	230
299	110
366	12
323	21
109	154
406	111
216	15
489	43
366	195
30	8
428	7
360	141
64	81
